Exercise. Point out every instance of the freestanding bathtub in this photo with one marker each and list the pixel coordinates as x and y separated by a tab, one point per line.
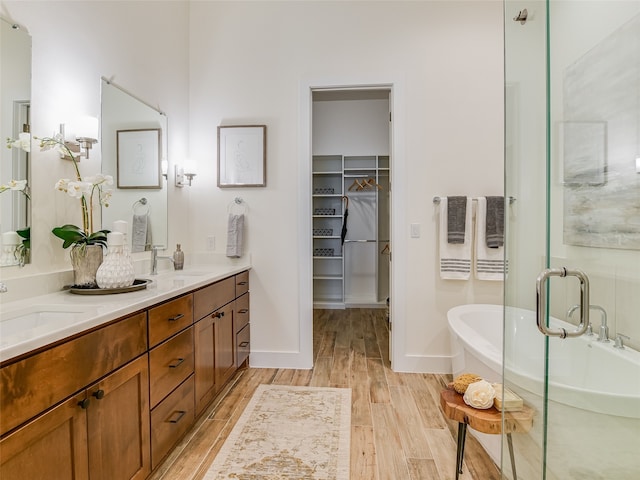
589	381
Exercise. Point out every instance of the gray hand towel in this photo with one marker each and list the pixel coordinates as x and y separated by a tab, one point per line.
456	215
140	233
495	222
235	227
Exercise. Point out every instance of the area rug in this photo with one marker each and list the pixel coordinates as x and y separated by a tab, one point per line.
289	432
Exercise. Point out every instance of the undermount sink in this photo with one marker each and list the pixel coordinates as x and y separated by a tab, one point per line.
40	320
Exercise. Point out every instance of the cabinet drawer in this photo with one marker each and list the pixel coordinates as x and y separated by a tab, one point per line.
171	419
211	298
169	364
169	318
35	383
243	345
242	283
241	317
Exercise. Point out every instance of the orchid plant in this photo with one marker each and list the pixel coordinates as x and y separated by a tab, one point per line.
87	190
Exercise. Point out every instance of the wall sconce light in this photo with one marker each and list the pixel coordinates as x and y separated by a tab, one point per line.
83	139
181	173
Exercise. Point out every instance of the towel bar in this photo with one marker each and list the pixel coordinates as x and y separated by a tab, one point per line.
436	200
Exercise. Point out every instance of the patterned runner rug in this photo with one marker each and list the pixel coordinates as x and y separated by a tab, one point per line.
289	433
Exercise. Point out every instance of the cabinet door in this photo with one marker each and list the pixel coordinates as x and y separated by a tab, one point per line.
204	364
214	354
53	445
118	424
225	363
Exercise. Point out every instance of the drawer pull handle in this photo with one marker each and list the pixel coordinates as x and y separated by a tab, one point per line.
176	318
177	364
84	403
244	310
244	344
217	315
242	283
99	394
181	413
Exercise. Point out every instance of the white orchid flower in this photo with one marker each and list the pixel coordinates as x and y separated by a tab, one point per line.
15	185
62	185
79	189
100	179
23	142
105	196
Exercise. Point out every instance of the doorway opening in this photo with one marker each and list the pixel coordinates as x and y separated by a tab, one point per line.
351	198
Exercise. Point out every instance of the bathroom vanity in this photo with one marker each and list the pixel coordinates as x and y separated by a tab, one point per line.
111	400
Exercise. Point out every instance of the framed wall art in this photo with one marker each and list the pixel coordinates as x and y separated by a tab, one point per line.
242	156
138	158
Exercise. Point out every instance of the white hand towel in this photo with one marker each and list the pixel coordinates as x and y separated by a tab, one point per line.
455	259
235	227
489	262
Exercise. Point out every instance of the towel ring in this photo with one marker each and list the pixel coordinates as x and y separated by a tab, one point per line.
141	204
239	202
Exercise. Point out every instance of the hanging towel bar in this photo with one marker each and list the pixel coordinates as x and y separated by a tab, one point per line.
436	200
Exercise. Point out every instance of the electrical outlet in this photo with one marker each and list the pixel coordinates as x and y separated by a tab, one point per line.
211	243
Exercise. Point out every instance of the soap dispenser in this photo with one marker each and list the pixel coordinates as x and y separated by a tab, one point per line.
178	258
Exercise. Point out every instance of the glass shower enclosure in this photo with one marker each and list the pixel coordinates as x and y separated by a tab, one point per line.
572	294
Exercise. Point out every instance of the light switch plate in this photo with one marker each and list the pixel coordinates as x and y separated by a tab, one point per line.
415	230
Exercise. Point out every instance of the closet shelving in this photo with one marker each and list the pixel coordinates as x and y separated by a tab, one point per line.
340	278
328	270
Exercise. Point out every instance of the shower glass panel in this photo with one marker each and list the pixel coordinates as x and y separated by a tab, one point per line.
572	161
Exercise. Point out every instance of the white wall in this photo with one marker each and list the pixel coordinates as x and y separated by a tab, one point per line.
248	62
143	47
209	63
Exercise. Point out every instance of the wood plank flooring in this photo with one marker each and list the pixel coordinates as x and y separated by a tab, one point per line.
398	431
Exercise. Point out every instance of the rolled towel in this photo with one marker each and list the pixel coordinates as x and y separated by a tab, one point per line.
495	222
456	219
235	228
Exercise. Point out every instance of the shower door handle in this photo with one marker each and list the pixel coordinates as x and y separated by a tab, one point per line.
541	304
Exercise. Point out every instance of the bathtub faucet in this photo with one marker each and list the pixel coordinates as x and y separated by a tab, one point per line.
570	315
603	335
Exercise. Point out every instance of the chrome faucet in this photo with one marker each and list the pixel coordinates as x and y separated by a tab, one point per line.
603	334
569	316
154	259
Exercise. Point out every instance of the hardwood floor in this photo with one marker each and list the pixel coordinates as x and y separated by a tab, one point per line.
398	431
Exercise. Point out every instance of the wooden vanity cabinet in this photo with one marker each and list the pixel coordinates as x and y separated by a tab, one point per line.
102	428
112	403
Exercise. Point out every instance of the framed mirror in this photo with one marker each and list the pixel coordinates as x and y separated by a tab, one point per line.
134	144
15	107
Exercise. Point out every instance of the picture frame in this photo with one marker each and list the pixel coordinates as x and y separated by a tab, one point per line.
242	156
138	158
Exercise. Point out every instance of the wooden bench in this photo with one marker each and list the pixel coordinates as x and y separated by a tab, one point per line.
485	421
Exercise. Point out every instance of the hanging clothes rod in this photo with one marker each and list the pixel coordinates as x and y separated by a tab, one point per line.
436	200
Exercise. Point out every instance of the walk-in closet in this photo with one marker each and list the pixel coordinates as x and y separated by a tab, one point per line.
351	198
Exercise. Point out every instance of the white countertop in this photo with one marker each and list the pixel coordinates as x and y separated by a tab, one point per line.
68	314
